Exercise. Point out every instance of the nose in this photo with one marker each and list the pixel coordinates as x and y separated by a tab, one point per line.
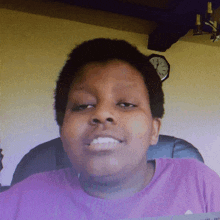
103	115
98	121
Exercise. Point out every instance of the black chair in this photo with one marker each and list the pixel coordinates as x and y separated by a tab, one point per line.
51	156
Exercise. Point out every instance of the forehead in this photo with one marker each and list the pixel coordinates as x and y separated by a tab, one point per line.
117	74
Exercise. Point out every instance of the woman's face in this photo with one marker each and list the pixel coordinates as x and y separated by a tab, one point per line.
108	125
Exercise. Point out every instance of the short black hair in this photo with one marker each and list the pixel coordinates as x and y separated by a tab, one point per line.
101	50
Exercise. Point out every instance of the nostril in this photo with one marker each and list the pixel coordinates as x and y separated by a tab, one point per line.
110	119
95	120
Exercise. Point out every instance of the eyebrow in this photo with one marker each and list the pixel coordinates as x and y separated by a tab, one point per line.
119	85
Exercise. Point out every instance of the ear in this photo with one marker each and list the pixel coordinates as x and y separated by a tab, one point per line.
155	130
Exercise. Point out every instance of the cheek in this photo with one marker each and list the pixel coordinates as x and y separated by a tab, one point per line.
140	130
71	135
73	127
140	126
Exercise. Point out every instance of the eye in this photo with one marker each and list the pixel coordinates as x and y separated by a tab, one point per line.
127	105
81	107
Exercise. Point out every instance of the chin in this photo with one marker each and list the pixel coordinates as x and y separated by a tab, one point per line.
103	166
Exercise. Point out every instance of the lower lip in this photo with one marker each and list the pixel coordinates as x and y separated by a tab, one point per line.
104	146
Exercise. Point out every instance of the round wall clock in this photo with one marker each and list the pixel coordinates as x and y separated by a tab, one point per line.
161	65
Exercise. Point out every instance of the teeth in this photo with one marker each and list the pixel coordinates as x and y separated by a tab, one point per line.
104	140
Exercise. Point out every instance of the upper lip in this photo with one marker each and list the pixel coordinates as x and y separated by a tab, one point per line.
89	140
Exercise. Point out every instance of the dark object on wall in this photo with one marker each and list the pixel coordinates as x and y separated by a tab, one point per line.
174	18
51	156
1	157
2	188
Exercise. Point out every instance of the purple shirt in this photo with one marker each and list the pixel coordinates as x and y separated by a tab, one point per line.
178	185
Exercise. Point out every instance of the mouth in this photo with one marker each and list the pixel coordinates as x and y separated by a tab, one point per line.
104	144
105	140
103	147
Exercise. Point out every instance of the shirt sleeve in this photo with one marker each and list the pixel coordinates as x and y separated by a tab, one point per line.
9	203
213	195
211	189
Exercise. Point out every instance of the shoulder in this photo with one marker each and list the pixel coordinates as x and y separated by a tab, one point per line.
189	170
42	190
38	188
38	182
184	164
192	178
184	161
181	163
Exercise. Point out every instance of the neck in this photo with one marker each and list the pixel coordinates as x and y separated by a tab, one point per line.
117	188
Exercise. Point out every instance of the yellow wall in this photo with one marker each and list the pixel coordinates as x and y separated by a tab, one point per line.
35	47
